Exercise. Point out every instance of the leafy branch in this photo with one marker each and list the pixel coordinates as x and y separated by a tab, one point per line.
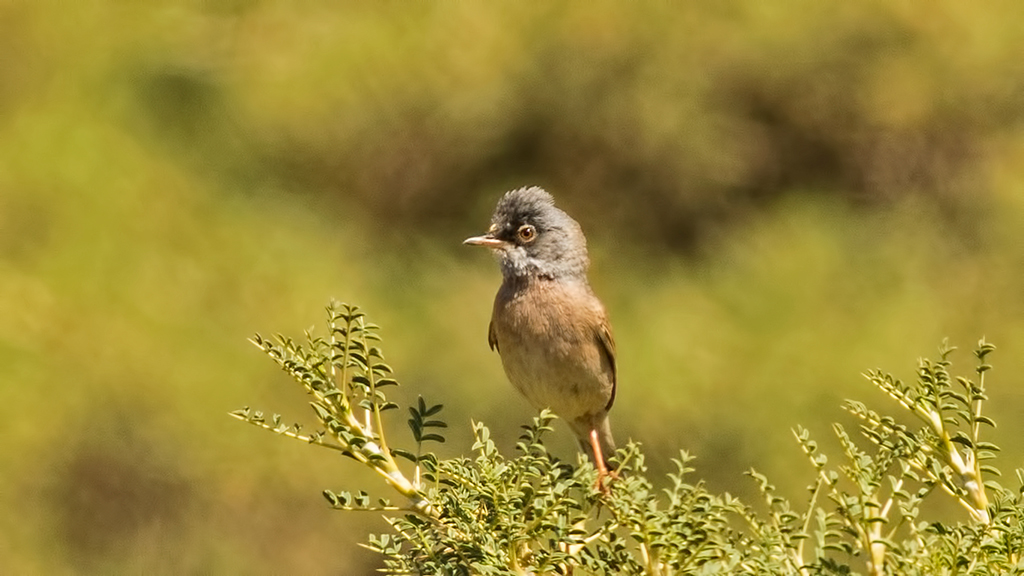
949	450
342	373
529	513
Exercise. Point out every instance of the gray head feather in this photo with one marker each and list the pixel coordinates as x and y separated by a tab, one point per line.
558	250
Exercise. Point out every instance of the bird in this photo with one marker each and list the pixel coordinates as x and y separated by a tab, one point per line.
547	325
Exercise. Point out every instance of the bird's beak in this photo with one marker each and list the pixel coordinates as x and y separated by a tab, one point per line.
486	240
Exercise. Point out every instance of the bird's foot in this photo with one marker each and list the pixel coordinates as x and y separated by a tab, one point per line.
604	480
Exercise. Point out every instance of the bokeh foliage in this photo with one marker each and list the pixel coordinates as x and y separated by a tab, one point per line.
776	196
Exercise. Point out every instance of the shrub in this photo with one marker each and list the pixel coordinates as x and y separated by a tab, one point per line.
529	513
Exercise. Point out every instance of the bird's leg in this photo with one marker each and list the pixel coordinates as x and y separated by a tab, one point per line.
602	470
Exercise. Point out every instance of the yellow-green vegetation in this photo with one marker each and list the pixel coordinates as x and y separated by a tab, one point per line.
778	197
533	513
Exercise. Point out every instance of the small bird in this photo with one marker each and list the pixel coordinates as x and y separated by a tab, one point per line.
549	328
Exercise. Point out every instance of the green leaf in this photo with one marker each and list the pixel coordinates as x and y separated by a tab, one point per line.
985	420
986	469
404	454
322	412
961	438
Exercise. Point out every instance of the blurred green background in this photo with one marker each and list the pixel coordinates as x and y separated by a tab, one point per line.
778	196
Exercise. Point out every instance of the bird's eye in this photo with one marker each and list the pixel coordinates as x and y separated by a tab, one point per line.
527	232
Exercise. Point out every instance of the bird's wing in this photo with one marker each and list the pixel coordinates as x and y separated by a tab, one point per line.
607	342
492	337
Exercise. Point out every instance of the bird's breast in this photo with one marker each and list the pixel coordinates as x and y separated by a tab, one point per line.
548	335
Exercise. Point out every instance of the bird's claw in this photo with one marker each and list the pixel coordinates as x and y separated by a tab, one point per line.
604	480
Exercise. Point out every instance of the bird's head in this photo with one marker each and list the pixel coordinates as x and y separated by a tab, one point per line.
531	237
